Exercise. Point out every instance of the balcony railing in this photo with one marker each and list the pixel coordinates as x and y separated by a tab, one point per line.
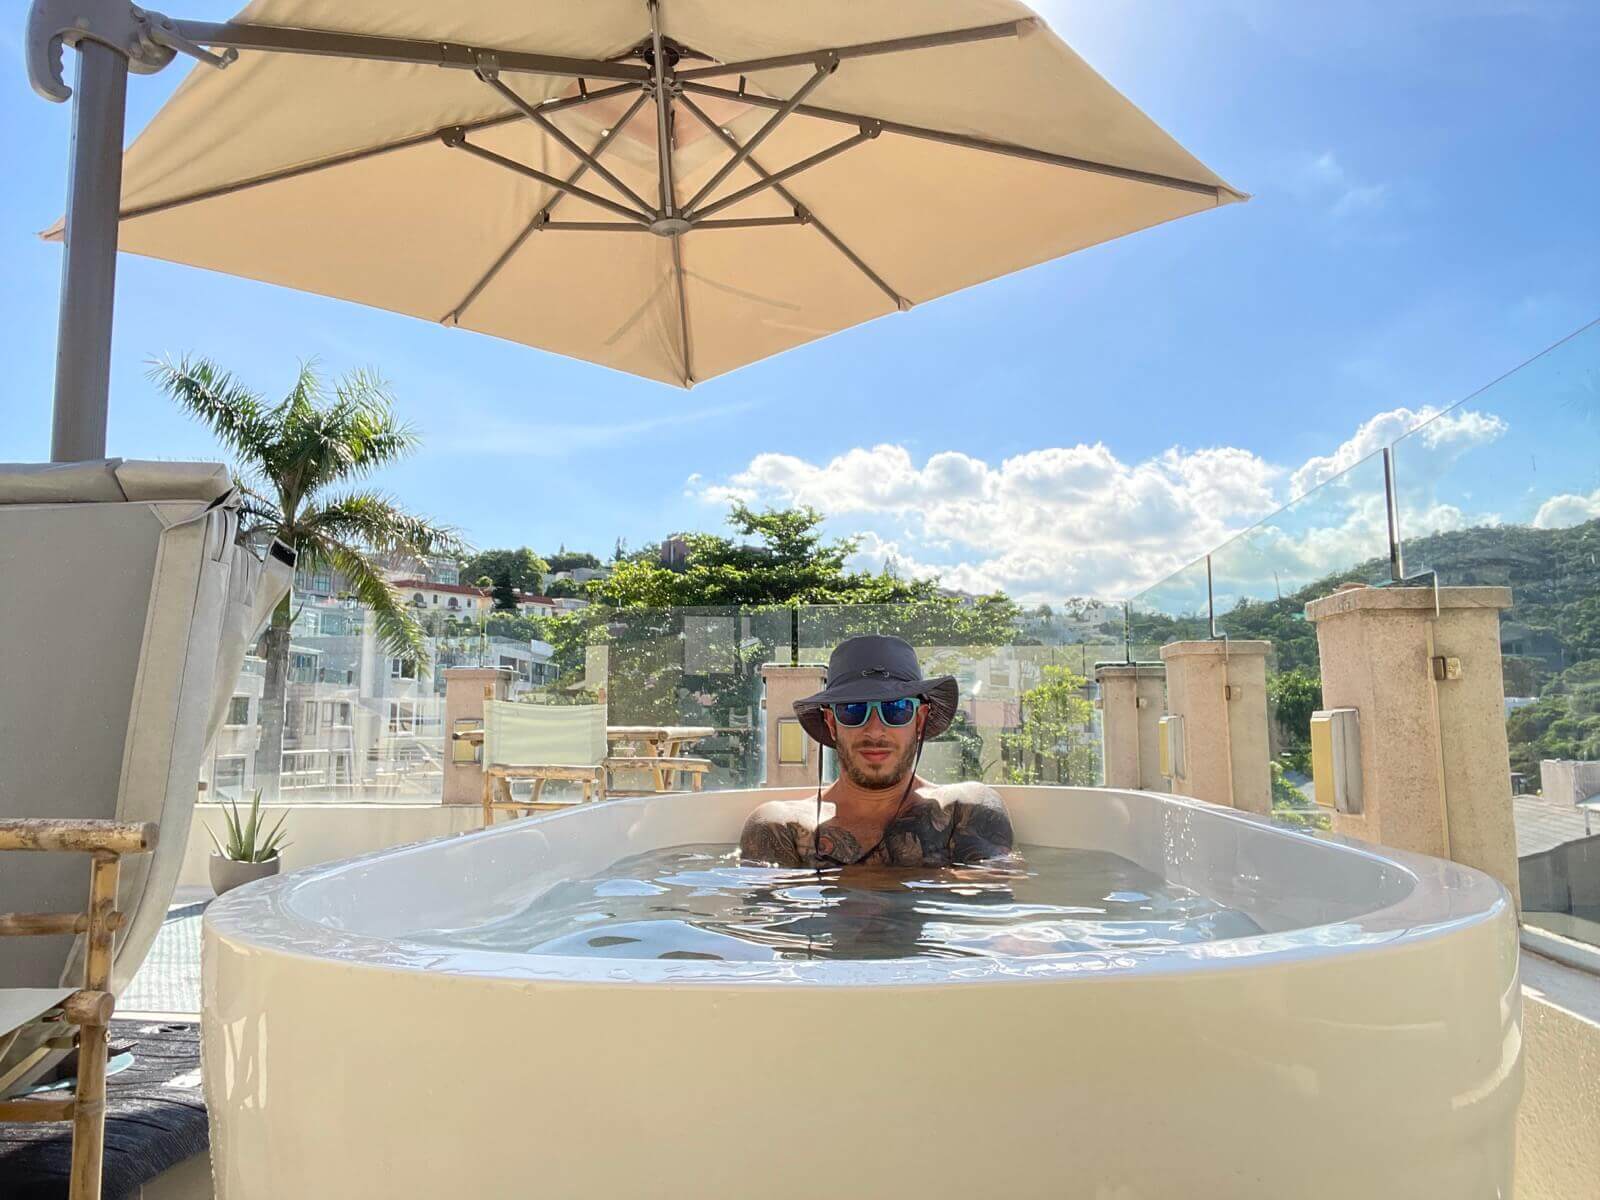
1502	488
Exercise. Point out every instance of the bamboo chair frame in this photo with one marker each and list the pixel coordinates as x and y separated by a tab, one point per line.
90	1007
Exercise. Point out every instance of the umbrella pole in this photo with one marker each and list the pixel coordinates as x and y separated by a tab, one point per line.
107	35
89	266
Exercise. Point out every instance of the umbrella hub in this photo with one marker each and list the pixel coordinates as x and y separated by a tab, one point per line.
669	226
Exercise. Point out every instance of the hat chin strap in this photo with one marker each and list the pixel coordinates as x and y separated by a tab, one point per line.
816	827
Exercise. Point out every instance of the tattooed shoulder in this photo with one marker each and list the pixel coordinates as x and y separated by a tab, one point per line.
982	827
773	835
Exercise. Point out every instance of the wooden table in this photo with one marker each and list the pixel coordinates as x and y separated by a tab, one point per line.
663	743
660	751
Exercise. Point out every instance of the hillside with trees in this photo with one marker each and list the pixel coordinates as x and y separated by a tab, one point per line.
1550	637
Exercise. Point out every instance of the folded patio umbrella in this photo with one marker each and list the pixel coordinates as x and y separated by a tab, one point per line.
672	189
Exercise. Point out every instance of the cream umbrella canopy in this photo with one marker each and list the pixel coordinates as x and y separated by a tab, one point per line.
673	188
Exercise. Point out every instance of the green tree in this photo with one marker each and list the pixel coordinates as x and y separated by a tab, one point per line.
1056	741
525	569
1295	694
505	598
295	462
558	589
516	628
567	560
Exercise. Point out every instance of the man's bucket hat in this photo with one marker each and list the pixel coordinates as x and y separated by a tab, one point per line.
873	667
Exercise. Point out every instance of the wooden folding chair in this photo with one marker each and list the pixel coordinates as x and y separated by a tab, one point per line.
541	743
88	1007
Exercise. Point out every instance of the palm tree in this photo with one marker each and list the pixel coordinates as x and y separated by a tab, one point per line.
296	462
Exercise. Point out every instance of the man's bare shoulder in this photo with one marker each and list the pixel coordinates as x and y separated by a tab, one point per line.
970	793
980	827
773	833
784	812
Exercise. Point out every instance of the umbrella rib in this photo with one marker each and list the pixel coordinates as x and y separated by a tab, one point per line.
966	141
683	310
456	139
531	111
311	168
834	239
596	226
800	218
339	160
330	43
542	217
925	41
866	134
824	69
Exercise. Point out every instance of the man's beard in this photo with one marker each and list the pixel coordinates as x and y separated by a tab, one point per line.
875	778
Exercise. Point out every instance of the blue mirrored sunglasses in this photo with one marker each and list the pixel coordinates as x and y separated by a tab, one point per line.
894	713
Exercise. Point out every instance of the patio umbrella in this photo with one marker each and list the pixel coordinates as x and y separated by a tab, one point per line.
673	188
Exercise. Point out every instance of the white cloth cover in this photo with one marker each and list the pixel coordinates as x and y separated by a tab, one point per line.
129	608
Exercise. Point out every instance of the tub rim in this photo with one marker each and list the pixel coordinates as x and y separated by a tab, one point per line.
1444	898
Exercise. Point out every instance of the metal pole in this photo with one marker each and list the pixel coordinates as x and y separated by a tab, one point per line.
89	266
658	69
1211	601
1391	505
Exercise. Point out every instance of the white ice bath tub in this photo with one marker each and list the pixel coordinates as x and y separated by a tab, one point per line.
1366	1045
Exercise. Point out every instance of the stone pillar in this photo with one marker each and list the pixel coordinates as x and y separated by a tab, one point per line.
1219	688
784	685
1435	773
1132	701
464	689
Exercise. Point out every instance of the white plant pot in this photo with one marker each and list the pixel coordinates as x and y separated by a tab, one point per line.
229	873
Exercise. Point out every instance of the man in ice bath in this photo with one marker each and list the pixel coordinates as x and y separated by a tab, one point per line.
876	711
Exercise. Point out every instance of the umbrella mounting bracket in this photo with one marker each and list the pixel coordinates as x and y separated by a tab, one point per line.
148	40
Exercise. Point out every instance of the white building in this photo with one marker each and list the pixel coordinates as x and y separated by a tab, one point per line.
458	598
536	606
359	723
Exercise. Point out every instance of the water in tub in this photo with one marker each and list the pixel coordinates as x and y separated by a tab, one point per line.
697	902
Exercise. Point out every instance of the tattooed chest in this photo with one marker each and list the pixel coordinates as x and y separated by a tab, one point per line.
919	838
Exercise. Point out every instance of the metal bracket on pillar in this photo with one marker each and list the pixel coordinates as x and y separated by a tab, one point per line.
148	40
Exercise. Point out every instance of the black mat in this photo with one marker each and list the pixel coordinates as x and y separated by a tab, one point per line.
155	1119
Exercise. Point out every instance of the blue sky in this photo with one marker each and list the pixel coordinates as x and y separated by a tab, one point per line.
1424	178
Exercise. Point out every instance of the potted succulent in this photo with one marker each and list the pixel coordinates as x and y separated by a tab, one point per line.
250	851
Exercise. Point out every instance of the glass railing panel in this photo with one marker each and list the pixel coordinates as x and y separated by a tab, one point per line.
358	723
1261	580
1026	710
1336	533
695	667
1504	489
1175	609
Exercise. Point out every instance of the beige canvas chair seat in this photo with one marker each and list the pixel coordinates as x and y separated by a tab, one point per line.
541	743
130	606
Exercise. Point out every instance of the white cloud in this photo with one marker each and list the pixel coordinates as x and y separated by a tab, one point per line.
1568	509
1453	432
1052	521
1077	520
